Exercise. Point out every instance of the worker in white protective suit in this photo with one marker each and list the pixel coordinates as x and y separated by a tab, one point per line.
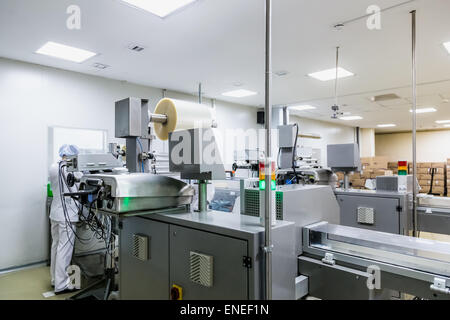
63	218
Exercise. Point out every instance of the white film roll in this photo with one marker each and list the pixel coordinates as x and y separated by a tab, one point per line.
181	115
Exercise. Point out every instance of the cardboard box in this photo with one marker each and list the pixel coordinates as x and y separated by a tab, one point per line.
366	174
355	175
439	190
438	171
358	183
424	183
392	165
375	162
424	176
379	173
438	165
438	177
424	165
420	171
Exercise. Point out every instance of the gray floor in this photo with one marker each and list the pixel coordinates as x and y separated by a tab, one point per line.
28	284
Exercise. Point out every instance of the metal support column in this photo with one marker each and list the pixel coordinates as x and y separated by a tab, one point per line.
414	123
202	184
268	189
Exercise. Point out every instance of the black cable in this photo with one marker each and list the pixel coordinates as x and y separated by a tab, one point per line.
293	155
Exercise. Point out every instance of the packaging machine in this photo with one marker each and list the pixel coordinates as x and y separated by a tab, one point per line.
168	251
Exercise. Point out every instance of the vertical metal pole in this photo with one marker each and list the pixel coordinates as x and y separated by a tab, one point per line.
202	196
285	116
414	122
202	184
346	181
268	190
337	77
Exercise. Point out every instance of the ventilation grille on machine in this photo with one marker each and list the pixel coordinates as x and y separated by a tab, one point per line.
140	247
366	215
252	203
201	269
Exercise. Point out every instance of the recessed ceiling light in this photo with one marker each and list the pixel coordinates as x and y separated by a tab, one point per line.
447	46
241	93
161	8
330	74
302	107
62	51
442	121
386	125
424	110
447	125
351	118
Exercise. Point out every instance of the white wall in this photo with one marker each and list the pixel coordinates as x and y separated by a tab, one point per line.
32	99
367	142
330	133
432	146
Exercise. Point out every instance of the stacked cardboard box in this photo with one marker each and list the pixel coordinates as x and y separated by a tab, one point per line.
374	163
447	177
371	168
431	177
393	166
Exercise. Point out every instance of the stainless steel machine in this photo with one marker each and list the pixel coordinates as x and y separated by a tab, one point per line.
384	211
433	214
189	256
352	263
301	204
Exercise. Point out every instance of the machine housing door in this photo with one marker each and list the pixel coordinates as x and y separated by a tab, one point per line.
207	265
144	259
373	213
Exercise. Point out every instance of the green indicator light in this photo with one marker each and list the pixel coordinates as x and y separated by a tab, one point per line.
262	185
49	191
126	202
273	185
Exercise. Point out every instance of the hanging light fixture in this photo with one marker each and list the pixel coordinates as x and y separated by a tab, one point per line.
335	108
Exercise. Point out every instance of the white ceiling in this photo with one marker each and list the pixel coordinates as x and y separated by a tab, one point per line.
221	42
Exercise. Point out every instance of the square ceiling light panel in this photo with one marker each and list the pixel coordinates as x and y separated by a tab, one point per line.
241	93
161	8
351	118
330	74
424	110
389	125
61	51
302	107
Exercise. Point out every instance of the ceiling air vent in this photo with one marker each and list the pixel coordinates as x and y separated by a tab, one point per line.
136	47
385	97
100	66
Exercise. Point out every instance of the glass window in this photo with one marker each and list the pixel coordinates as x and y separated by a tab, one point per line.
88	140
